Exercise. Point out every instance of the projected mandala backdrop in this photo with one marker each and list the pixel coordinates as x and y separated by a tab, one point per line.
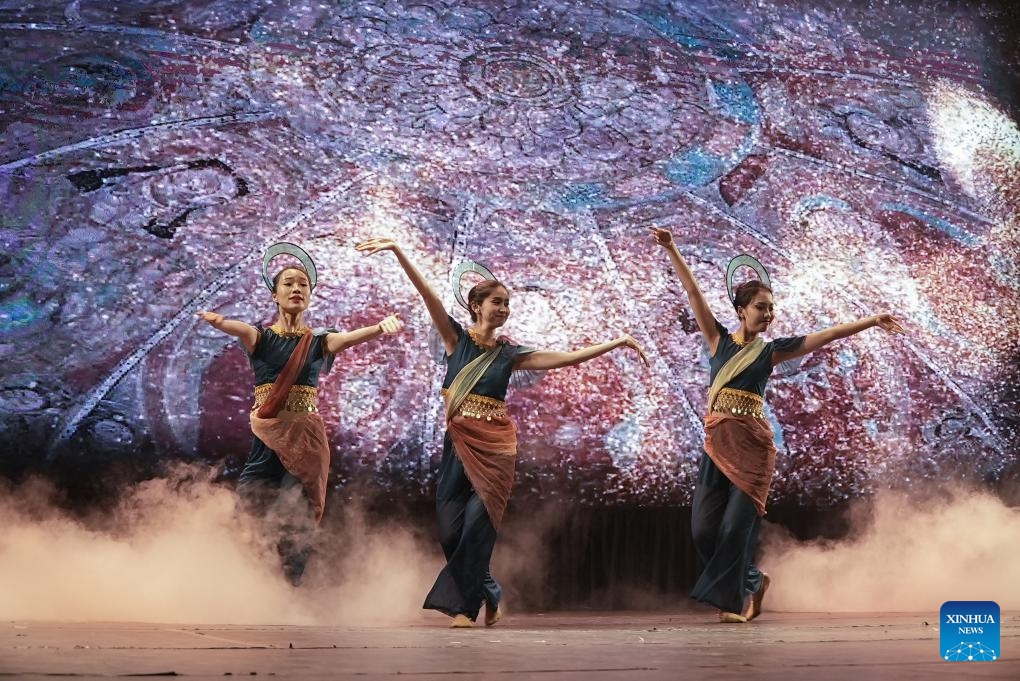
152	151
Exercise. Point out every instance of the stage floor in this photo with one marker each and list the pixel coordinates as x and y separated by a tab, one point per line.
561	646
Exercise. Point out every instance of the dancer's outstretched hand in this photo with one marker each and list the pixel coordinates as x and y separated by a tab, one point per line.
391	324
889	324
377	244
662	236
214	318
628	341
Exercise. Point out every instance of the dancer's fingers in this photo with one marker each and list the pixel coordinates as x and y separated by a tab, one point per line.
662	236
374	245
890	324
391	324
211	317
641	353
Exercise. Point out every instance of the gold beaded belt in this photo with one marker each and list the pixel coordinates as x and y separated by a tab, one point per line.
739	403
301	397
481	407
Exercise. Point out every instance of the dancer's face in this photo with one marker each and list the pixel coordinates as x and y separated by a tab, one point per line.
495	309
293	291
759	313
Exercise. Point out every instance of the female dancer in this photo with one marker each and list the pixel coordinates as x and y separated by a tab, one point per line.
285	475
480	448
739	458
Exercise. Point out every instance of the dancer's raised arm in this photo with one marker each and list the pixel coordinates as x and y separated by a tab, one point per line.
819	339
247	333
702	312
433	303
541	360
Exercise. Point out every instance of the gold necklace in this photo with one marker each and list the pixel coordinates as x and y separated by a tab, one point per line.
739	341
280	331
476	339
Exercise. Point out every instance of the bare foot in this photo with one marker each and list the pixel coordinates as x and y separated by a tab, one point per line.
753	608
731	617
461	622
492	616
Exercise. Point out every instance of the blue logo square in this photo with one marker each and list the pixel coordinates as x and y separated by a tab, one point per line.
969	631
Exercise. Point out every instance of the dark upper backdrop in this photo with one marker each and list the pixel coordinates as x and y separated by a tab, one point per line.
866	153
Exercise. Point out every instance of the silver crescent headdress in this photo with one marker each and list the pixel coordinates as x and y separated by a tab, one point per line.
744	260
287	248
458	275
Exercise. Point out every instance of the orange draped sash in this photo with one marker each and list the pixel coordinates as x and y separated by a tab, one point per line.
743	448
487	447
298	438
488	450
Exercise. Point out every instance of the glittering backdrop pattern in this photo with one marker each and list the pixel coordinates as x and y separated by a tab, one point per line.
868	154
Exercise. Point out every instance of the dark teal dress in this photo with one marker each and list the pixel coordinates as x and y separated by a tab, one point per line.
724	520
266	488
465	531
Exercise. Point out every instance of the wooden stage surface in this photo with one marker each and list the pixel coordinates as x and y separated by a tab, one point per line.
555	646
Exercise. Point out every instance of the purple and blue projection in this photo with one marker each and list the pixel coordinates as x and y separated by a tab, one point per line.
864	152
